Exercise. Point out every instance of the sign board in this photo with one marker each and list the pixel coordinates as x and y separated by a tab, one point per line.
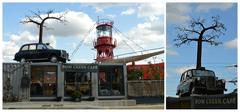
80	67
227	101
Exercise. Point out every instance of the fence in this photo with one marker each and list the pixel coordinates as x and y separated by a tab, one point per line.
12	77
146	88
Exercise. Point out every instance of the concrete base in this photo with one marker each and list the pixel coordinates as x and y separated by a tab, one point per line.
71	105
226	101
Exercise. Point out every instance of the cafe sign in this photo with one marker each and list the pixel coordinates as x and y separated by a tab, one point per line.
217	101
80	67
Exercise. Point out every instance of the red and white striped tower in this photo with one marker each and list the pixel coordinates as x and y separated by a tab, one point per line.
104	43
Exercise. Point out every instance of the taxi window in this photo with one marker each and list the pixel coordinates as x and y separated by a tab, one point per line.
32	47
24	48
40	47
199	73
182	77
189	73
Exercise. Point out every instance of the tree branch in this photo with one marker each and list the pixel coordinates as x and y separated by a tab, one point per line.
183	39
188	30
197	28
37	14
201	24
29	20
212	42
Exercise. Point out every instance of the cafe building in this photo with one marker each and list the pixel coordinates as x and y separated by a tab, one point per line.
57	81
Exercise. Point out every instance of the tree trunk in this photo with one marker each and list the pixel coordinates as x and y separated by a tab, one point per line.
40	33
199	53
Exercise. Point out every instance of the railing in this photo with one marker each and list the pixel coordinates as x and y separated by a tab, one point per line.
105	21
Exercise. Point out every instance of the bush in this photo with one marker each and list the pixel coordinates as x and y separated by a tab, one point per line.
157	77
135	74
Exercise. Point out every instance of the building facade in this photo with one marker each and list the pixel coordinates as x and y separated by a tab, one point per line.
57	81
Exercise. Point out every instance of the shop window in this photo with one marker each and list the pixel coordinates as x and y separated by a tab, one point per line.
78	81
111	81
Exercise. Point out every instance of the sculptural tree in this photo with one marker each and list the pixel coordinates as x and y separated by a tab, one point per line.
40	18
201	30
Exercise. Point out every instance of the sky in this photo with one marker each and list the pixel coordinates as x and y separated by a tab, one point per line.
143	24
140	24
216	58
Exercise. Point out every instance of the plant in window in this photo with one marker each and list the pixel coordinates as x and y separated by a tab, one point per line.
76	95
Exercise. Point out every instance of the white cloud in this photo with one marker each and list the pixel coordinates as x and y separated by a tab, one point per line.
9	51
112	16
22	37
171	52
17	40
147	33
100	7
180	70
99	10
78	24
231	44
205	7
231	68
177	13
129	11
151	11
52	40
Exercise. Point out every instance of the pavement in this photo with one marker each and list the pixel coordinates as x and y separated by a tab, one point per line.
107	104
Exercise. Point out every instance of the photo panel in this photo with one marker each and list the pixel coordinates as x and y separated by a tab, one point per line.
201	55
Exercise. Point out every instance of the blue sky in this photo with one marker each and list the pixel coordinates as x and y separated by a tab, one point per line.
142	23
215	58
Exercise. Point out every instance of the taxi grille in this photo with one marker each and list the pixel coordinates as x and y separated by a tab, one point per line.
211	82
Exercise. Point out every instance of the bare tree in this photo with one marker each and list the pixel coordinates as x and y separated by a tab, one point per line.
39	20
200	31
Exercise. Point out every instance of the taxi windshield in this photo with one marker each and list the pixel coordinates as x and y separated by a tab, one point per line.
49	47
203	73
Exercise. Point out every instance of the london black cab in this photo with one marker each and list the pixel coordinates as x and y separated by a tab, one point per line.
200	82
40	52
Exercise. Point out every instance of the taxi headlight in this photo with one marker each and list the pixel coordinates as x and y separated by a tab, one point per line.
223	81
198	79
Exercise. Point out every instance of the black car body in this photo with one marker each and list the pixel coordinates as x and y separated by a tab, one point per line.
40	52
201	82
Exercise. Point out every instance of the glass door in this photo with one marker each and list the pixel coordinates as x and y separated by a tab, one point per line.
43	81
